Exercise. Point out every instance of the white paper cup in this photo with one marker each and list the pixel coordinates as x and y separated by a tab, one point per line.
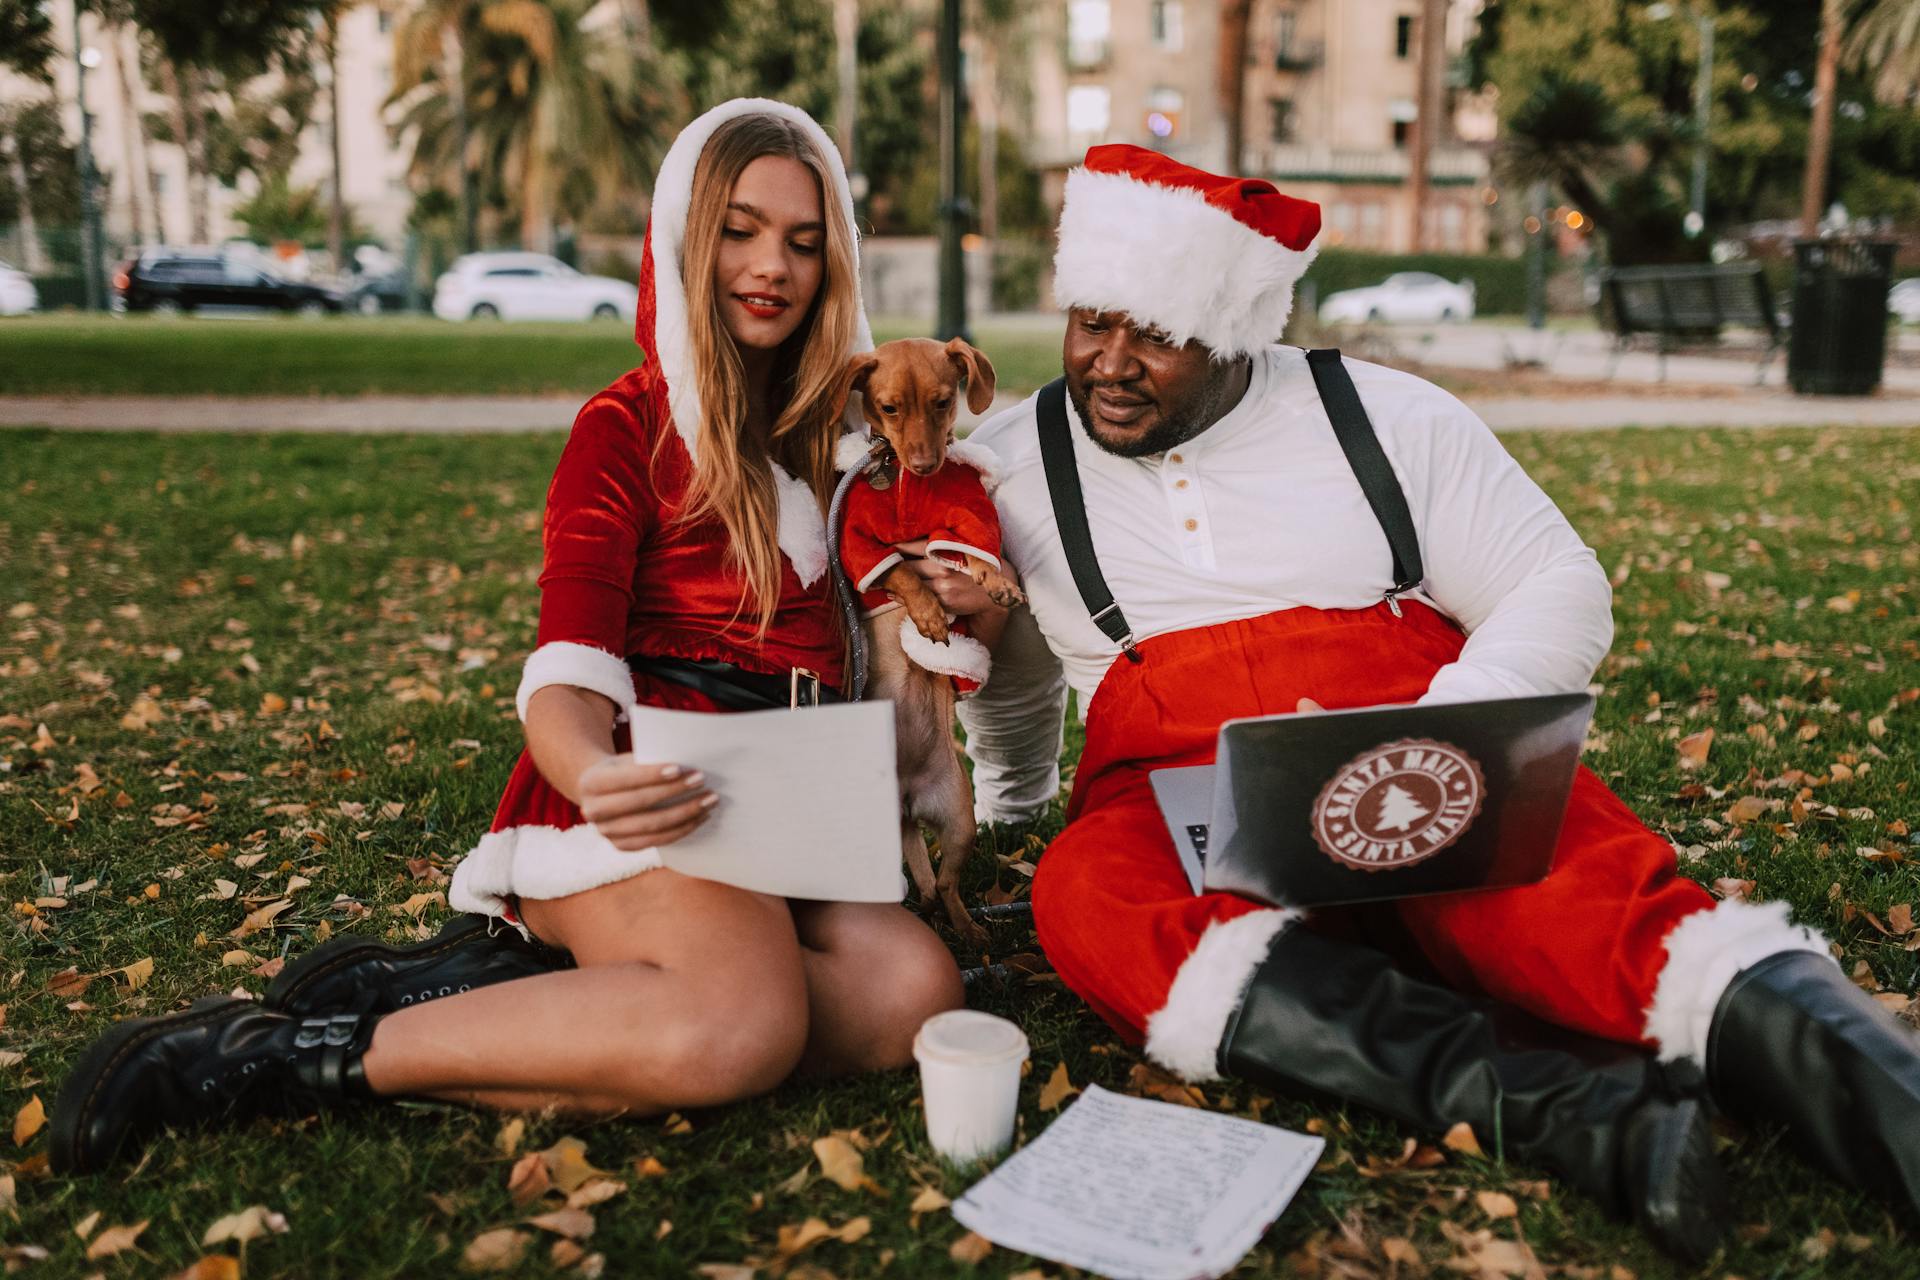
970	1082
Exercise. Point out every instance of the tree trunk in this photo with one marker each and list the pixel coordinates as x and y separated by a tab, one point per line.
337	199
1232	75
454	71
1813	198
133	136
1429	128
31	255
536	219
183	100
987	120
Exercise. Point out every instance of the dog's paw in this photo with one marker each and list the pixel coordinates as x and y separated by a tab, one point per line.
931	623
1003	593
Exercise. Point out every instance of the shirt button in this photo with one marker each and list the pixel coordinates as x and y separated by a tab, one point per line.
1192	525
1179	484
1174	457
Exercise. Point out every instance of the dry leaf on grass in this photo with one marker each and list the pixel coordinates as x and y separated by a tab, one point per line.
649	1167
29	1120
138	973
1460	1138
115	1240
496	1250
259	919
929	1200
725	1271
1058	1088
842	1165
1496	1204
250	1223
215	1266
794	1240
84	1228
507	1141
567	1166
1693	749
529	1179
596	1191
971	1248
574	1224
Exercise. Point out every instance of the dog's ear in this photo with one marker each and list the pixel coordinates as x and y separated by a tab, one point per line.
853	378
979	370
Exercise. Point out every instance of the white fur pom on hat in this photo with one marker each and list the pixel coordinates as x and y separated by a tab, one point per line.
1202	257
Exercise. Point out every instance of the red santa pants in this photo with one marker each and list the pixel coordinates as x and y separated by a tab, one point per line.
1583	948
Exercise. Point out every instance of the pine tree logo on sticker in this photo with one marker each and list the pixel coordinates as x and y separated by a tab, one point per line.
1398	804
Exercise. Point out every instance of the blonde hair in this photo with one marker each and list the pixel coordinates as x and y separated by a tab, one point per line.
732	475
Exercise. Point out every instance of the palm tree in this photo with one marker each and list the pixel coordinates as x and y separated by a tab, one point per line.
1884	40
558	118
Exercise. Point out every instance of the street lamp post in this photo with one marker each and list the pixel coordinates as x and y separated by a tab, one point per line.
952	321
1702	114
84	60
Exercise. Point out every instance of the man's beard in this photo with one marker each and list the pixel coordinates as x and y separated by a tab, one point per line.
1172	431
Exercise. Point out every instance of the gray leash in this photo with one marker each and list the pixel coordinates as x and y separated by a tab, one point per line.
843	586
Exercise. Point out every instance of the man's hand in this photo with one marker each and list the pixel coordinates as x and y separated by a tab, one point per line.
641	806
1307	706
958	593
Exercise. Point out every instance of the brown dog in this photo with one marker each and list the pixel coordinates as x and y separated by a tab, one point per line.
910	392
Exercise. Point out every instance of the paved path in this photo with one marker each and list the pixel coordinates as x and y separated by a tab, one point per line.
437	414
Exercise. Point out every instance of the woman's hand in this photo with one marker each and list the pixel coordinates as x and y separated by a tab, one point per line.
641	806
958	593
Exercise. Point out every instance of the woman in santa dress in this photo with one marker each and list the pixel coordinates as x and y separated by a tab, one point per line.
684	525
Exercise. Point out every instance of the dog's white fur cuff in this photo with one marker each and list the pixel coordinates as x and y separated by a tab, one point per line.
579	665
958	656
878	572
1184	1036
962	548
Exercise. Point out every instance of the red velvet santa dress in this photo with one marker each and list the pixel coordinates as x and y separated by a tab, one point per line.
953	510
621	576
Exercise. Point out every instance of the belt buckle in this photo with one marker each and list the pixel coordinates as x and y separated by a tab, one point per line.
803	688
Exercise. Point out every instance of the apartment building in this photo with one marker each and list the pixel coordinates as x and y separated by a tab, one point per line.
1330	99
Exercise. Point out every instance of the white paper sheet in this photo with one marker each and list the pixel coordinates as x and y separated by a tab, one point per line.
809	802
1140	1190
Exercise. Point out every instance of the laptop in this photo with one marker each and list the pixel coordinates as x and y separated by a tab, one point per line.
1378	802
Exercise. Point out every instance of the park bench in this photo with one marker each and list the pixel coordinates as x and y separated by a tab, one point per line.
1672	304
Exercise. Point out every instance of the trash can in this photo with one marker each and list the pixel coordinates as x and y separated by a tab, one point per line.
1839	341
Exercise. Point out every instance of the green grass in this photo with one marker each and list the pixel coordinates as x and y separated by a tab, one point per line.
348	355
384	588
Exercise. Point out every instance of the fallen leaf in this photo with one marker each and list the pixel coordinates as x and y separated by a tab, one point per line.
1460	1138
726	1271
930	1200
68	984
507	1141
649	1167
566	1162
595	1192
1398	1249
84	1228
793	1240
259	919
1496	1204
496	1250
842	1165
115	1240
137	973
272	704
574	1224
1746	809
416	905
1693	749
1900	917
529	1179
215	1266
1058	1088
971	1248
251	1223
29	1120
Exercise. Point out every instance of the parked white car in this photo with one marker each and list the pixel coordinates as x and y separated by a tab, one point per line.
17	294
529	286
1903	300
1407	297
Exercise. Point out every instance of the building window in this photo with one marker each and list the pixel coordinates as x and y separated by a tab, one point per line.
1281	113
1373	224
1403	36
1403	112
1402	133
1089	32
1163	113
1089	111
1167	24
1284	23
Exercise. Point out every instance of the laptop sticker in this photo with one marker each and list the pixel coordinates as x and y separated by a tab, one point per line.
1398	804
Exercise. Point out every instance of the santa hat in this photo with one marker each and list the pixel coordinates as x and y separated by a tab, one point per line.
1202	257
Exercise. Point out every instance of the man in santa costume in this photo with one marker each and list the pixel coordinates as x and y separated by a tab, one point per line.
1249	575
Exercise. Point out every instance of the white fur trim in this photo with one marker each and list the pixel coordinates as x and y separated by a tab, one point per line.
579	665
964	548
878	572
540	862
1168	258
1184	1036
958	655
802	530
852	450
1704	952
980	458
803	526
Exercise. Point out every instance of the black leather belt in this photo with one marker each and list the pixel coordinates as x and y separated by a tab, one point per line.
738	689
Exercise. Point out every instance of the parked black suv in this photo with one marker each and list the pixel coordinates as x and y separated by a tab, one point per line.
177	281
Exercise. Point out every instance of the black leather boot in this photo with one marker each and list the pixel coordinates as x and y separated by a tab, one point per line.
1795	1042
221	1059
364	973
1336	1019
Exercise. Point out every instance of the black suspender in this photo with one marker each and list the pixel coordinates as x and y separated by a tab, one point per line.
1370	468
1350	426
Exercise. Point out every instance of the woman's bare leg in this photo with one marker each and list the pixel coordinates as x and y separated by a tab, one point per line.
874	973
689	993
